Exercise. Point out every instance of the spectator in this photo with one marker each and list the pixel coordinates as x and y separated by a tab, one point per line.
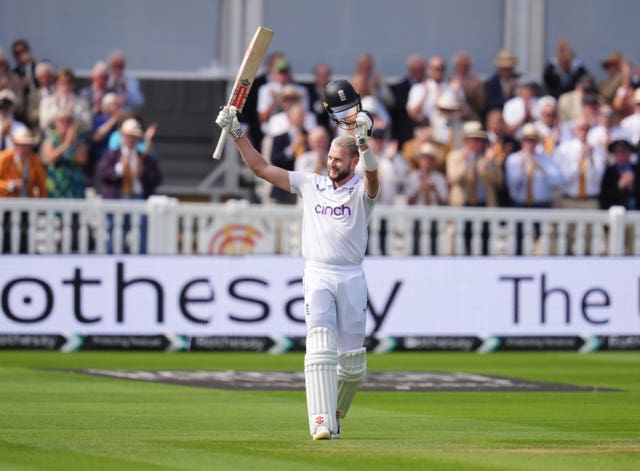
427	186
499	146
563	70
423	96
97	88
8	123
582	167
287	147
631	124
315	159
10	80
268	94
279	122
501	86
126	87
402	124
471	85
623	99
600	135
374	83
321	77
422	133
46	78
446	125
621	179
105	124
548	125
371	103
65	98
21	175
613	66
25	67
393	168
65	155
570	103
521	108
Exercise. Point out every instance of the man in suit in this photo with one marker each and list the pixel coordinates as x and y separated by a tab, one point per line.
401	123
501	86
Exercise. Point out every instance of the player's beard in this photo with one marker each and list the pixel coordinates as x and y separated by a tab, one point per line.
338	176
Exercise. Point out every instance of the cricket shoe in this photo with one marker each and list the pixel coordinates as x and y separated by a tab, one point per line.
322	433
337	434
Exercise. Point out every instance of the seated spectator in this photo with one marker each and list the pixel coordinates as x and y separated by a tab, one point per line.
8	124
392	167
125	86
10	80
65	155
613	66
501	86
446	124
499	146
570	103
97	88
548	125
279	122
423	96
621	179
21	175
426	186
563	70
315	159
600	135
422	133
65	98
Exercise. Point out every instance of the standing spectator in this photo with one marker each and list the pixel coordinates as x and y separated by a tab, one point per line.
374	82
600	135
471	85
582	167
25	67
371	103
422	133
621	180
105	123
623	100
8	123
499	146
548	125
279	122
65	98
97	88
321	77
10	80
423	96
21	175
613	66
570	103
522	108
501	86
446	125
426	185
563	70
315	159
402	125
393	168
65	155
631	124
46	78
126	87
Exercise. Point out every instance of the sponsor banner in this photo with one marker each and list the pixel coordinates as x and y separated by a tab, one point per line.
462	303
283	344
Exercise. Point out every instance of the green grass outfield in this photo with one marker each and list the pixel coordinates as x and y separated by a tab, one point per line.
63	421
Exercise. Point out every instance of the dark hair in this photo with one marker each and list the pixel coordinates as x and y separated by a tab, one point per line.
20	42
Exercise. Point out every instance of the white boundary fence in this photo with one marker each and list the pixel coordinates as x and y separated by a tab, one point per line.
163	225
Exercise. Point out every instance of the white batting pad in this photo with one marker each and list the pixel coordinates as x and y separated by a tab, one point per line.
352	368
321	379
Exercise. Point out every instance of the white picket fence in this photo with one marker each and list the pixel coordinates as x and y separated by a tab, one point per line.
163	225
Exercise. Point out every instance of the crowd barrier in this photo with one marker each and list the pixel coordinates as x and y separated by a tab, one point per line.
164	225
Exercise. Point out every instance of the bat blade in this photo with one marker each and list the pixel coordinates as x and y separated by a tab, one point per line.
246	75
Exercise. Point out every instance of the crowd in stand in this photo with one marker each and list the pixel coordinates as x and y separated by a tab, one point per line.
561	139
59	140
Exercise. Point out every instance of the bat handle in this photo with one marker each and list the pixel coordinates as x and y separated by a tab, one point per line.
218	152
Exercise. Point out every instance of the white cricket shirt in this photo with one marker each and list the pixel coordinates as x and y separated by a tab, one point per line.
334	221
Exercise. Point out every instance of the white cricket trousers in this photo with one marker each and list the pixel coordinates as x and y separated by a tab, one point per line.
335	297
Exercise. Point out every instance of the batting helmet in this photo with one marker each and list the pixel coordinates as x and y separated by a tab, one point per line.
341	102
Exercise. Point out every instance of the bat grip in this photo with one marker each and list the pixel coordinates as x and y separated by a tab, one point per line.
218	152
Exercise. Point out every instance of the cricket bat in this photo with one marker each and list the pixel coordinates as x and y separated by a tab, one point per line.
246	75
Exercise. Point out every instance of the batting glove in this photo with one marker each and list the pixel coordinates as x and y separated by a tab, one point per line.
364	125
228	119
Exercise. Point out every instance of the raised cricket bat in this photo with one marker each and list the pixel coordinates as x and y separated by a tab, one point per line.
246	75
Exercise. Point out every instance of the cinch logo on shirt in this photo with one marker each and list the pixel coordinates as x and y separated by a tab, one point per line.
337	211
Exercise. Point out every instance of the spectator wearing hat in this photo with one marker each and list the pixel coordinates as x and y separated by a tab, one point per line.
124	85
422	133
423	96
501	86
279	122
21	175
65	155
631	124
612	65
522	108
8	123
268	103
128	173
446	124
563	70
621	179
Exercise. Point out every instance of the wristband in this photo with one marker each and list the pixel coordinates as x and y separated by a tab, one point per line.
369	160
236	133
